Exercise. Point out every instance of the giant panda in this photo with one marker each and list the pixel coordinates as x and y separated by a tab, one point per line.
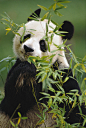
18	87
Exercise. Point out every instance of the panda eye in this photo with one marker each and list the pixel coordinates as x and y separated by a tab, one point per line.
42	42
25	38
43	46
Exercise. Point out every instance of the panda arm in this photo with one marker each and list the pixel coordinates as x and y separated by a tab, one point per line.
18	89
74	115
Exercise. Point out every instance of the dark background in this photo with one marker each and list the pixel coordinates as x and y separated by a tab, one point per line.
20	10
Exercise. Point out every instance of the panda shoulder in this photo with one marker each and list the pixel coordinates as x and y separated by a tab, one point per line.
21	69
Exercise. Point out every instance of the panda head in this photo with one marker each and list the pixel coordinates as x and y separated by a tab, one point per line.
34	44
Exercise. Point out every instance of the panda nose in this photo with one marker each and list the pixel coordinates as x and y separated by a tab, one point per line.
28	49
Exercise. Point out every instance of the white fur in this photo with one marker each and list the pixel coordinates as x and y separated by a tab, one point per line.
33	42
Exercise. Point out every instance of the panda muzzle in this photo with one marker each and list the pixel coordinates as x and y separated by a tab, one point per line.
28	49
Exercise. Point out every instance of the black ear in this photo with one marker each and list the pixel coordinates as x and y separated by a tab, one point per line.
68	27
35	14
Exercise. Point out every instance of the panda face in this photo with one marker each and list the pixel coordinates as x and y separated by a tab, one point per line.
33	43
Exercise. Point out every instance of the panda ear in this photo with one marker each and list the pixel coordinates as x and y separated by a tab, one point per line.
68	27
35	14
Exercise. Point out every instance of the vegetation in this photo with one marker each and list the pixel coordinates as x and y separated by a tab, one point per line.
45	69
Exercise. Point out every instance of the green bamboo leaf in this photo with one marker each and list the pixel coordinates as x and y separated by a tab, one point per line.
44	8
52	35
41	121
74	103
80	99
24	118
56	28
32	18
45	105
51	7
19	114
45	16
50	102
23	32
57	13
17	33
51	89
84	59
52	81
59	4
84	122
59	32
60	8
39	116
48	47
66	79
44	76
1	70
44	87
74	57
46	94
7	31
54	6
46	32
12	123
54	22
83	67
76	65
5	24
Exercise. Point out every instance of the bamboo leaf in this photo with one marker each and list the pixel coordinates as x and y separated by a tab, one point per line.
12	123
66	79
44	8
45	16
7	32
40	122
51	7
51	89
84	122
46	94
8	29
23	32
50	102
54	6
44	76
19	114
24	118
60	8
57	13
84	68
54	22
59	4
19	121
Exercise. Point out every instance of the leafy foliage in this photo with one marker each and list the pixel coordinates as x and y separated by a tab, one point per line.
45	70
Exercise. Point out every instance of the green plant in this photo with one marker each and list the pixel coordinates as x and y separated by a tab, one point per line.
45	70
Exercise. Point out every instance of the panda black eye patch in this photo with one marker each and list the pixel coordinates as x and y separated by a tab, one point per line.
25	38
43	46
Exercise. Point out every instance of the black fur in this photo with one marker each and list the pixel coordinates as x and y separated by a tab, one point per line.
67	27
19	90
35	14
